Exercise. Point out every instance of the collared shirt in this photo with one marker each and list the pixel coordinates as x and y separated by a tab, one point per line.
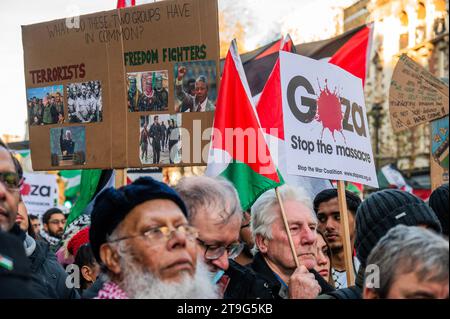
201	107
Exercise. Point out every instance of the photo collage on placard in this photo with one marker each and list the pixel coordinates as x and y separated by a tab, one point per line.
195	86
148	91
68	146
45	106
160	139
194	89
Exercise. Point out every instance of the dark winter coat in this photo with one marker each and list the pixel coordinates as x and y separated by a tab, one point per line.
50	273
49	276
259	281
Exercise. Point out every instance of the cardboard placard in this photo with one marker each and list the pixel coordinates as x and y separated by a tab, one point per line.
98	75
439	152
415	95
325	122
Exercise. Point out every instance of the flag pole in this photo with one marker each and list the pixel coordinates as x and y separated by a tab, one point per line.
345	234
286	226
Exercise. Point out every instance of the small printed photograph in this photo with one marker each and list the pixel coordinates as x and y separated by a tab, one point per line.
84	102
68	146
160	139
148	91
45	105
195	86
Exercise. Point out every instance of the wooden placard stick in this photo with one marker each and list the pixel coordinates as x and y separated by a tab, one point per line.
345	234
121	178
286	226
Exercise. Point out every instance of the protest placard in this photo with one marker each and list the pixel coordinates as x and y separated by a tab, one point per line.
325	122
439	152
39	192
95	77
415	95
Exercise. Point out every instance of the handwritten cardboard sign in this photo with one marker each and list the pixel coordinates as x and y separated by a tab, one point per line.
96	76
415	95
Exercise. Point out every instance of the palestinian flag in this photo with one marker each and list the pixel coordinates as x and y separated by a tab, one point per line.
270	112
125	3
391	177
92	183
349	51
72	179
238	149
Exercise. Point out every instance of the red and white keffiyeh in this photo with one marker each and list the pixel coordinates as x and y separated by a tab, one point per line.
111	290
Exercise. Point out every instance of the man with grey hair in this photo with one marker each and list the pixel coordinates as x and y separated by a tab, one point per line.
214	210
273	261
408	263
197	103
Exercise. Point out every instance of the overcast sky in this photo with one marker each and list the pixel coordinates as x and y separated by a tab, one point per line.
305	20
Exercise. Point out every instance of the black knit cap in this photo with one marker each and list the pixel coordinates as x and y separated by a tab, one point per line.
439	203
384	210
113	205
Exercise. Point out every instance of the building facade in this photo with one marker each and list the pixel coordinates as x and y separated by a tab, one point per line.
419	29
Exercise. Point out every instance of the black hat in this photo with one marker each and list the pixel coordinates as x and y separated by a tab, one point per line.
439	203
113	205
384	210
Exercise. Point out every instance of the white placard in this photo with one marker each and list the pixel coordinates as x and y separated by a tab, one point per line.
325	121
39	192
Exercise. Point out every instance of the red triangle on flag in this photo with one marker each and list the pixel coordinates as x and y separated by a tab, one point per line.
353	56
269	107
234	114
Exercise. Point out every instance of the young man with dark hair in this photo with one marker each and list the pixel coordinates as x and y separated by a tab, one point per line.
326	206
35	223
53	222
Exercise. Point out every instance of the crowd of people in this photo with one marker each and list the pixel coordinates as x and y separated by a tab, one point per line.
193	241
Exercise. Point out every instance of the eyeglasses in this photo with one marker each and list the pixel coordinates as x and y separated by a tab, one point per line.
11	180
164	232
57	221
213	252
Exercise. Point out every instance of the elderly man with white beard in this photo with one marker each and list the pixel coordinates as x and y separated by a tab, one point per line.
140	235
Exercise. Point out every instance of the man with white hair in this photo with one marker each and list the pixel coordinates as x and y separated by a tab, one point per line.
66	143
409	262
215	210
273	260
140	235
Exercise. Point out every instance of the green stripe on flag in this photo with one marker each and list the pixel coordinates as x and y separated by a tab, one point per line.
72	180
382	180
249	184
88	186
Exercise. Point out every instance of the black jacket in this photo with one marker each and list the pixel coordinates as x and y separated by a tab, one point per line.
245	283
258	281
49	275
352	292
16	281
93	291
